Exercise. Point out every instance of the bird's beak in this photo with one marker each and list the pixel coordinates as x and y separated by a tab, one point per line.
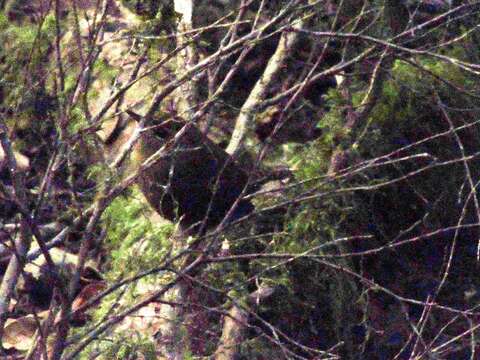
134	115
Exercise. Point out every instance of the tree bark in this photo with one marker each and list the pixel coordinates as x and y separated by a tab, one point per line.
232	333
235	323
245	120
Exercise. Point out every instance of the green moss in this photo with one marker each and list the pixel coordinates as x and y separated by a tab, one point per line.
133	241
77	121
104	71
134	244
49	26
123	346
3	21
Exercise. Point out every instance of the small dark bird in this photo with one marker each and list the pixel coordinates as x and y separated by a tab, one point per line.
196	182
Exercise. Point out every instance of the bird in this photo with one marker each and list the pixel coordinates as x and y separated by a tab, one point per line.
195	182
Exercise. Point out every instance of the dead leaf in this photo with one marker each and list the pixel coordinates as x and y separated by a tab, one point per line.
146	320
19	333
88	292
